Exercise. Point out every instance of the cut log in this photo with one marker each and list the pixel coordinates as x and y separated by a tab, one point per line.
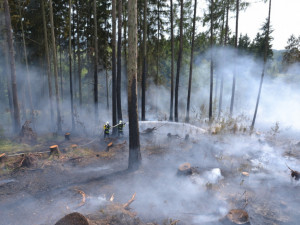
54	150
67	136
184	169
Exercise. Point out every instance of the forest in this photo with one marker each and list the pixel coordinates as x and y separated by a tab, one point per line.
165	101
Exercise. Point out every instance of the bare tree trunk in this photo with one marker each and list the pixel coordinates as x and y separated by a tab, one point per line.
211	61
70	65
144	74
172	63
59	129
187	119
114	97
264	66
78	54
16	122
119	63
235	45
135	158
8	81
96	62
60	70
179	60
48	63
27	70
222	76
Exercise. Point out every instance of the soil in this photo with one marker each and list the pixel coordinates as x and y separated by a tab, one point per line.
95	182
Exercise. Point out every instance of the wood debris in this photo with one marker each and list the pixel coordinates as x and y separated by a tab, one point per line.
83	197
294	174
126	205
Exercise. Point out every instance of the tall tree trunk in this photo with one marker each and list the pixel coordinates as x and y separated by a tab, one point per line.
59	129
144	74
16	122
78	54
8	80
60	69
172	63
119	65
211	61
235	45
264	66
113	66
187	119
70	65
135	158
48	63
28	83
106	73
179	60
222	75
96	62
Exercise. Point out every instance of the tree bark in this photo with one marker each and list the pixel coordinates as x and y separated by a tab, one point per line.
78	55
179	60
187	119
235	45
28	83
70	65
222	76
96	61
59	129
172	63
113	44
16	122
119	63
48	63
211	62
144	73
264	66
135	158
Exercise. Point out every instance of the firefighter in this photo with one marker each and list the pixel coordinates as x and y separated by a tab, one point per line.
121	125
106	129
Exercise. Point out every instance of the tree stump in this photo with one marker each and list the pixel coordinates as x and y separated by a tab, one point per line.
184	169
73	219
109	145
67	136
28	160
74	146
54	150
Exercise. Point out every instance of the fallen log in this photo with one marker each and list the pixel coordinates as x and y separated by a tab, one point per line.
149	130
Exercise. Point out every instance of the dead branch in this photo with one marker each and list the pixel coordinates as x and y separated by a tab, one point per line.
83	197
174	222
112	198
126	205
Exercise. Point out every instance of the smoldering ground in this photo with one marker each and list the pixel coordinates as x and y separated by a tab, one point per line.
267	193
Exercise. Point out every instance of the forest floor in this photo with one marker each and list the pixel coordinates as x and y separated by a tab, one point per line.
239	171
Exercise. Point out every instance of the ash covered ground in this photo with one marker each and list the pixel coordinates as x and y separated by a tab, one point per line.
241	171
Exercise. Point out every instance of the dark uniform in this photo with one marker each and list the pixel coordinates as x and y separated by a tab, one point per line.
121	125
106	128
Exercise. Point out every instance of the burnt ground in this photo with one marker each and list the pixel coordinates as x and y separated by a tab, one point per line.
52	186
